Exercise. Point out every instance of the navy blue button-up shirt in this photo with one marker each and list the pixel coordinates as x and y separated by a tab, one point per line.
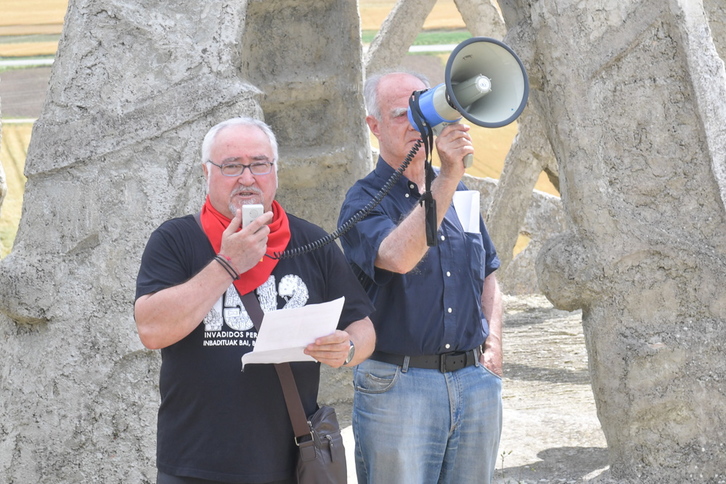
436	307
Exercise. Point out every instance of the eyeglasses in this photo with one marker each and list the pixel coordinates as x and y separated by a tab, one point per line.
236	169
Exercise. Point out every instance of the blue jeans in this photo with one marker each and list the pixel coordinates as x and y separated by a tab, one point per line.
416	426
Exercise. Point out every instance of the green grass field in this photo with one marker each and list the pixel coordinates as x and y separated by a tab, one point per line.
428	37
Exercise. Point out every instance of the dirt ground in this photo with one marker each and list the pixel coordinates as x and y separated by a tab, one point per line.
551	433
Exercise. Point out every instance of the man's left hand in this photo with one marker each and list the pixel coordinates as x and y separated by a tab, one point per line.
492	357
331	350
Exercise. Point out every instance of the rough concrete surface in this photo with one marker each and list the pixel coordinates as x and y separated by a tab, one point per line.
635	121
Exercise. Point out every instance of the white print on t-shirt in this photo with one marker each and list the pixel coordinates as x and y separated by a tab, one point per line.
228	313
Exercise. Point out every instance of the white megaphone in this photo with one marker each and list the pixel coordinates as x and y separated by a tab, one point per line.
485	82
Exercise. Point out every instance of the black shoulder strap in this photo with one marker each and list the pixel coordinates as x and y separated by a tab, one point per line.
427	135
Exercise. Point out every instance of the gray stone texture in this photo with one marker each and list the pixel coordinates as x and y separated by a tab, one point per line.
306	59
482	18
632	95
514	210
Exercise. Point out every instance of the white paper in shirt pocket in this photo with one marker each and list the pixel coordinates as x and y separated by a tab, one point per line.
466	204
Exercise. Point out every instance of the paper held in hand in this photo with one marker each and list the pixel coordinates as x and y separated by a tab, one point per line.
285	333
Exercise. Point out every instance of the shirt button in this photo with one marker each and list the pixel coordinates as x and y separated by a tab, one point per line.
448	274
447	346
450	310
407	195
443	237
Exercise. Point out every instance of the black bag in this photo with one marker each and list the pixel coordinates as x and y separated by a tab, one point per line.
322	455
322	458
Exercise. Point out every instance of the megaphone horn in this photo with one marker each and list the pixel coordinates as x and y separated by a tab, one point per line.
485	82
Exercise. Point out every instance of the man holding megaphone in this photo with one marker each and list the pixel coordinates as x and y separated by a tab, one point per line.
427	404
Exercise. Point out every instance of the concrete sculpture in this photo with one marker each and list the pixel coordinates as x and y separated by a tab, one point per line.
636	122
627	96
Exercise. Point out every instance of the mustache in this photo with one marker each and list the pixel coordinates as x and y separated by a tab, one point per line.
247	191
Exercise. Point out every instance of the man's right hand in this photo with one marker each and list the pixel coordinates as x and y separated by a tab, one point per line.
246	247
453	144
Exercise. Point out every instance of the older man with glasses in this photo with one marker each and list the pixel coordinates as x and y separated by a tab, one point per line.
436	370
217	423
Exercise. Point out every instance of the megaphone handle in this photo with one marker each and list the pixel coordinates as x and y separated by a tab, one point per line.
468	160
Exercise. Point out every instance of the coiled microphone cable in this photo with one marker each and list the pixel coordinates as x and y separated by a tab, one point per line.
360	215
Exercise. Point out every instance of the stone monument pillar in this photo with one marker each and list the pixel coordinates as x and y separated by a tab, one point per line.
632	94
397	34
482	18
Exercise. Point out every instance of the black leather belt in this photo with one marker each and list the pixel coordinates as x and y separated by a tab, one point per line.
443	362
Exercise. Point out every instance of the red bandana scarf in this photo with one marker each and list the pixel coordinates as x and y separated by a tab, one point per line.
214	223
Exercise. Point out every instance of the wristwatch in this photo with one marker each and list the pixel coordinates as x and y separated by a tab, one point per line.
351	353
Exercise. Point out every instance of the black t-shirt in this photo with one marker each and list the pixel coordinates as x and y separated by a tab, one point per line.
215	421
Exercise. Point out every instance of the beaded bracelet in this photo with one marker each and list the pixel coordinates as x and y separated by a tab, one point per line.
224	261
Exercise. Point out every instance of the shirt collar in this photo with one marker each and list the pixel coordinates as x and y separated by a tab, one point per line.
384	171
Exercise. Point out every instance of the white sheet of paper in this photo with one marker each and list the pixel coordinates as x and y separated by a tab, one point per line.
467	208
285	333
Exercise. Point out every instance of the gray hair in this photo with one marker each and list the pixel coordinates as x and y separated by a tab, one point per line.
241	121
370	89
